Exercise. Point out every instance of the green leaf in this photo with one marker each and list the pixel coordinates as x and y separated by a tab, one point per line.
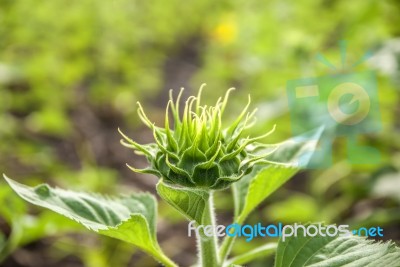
351	251
263	184
128	218
196	205
25	227
255	187
191	203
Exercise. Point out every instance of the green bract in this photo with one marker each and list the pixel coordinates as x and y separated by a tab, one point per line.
197	151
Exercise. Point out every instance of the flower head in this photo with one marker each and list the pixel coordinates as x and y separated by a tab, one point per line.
197	151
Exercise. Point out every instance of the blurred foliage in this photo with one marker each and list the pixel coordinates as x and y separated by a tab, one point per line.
71	72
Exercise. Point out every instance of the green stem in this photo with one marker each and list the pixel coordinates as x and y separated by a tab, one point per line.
226	247
208	245
228	243
164	260
263	251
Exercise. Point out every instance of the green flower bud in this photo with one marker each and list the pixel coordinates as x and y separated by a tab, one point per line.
198	152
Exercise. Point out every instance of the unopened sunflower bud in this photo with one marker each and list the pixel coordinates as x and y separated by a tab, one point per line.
197	152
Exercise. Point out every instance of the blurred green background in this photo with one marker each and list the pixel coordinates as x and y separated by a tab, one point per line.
72	71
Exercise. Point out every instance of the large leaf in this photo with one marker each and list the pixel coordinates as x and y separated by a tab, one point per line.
191	203
25	227
349	251
129	218
255	187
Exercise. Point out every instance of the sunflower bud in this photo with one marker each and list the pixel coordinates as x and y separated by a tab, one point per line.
197	152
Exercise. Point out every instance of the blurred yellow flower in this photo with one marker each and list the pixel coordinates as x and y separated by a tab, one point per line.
225	32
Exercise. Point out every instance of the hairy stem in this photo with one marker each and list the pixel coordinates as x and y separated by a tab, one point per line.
208	245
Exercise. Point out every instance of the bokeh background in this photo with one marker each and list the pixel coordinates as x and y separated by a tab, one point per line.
72	71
